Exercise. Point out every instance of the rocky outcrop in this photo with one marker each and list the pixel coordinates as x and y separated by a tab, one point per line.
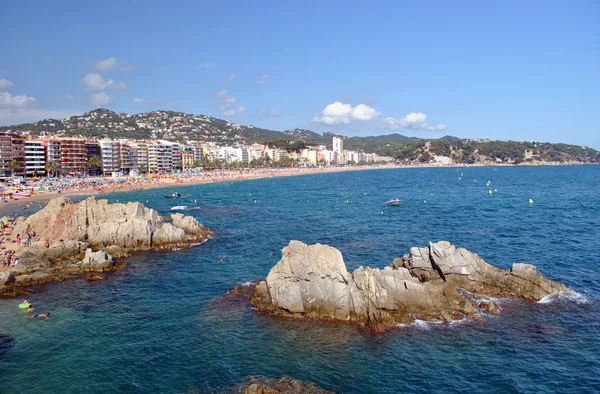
84	237
438	282
129	226
284	385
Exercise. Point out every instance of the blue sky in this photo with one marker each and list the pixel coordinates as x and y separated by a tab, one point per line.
508	70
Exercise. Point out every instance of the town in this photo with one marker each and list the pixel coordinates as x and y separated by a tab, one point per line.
22	156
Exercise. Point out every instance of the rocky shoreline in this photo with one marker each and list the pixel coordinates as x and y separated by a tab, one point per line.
435	283
89	237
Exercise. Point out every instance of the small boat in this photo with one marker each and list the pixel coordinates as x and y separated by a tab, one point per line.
22	194
393	202
174	195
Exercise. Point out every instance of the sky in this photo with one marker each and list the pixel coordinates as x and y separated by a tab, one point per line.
510	70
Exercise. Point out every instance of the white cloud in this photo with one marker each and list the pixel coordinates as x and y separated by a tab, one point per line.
106	64
137	100
95	81
4	83
263	80
270	113
231	77
340	113
47	59
101	99
412	121
8	100
68	96
227	107
111	64
206	66
14	116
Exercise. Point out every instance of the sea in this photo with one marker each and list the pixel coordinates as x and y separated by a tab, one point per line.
165	323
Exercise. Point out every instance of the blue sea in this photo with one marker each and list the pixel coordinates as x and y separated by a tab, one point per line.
165	324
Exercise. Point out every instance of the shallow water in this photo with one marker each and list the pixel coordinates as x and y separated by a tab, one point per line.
164	325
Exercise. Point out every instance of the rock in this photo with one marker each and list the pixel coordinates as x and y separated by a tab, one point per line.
284	385
96	261
129	226
94	276
6	278
312	281
74	231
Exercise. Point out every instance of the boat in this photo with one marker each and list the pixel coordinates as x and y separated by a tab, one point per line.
393	202
22	194
174	195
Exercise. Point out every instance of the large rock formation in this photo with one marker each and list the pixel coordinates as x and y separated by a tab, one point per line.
129	226
428	283
84	237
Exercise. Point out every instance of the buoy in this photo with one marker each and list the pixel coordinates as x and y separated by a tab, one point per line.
424	201
146	201
382	212
530	201
495	190
194	201
117	200
490	191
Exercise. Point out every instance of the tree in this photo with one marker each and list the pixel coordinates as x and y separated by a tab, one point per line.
15	165
142	169
94	162
50	167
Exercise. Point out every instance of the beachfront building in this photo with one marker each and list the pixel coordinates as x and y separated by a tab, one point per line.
160	156
5	155
110	157
138	152
35	157
338	145
92	149
72	156
124	157
52	147
18	156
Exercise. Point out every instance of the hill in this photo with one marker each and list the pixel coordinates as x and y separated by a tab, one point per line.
179	126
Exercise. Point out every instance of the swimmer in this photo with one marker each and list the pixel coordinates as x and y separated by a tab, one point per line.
272	251
44	315
221	261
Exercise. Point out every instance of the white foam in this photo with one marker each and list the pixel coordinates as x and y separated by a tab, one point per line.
179	208
567	296
246	283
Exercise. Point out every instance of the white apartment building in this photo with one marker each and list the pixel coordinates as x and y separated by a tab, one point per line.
35	157
110	155
138	151
338	146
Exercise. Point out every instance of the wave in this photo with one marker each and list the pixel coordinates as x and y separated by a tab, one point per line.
565	296
179	208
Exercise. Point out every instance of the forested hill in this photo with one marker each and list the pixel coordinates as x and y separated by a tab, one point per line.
180	126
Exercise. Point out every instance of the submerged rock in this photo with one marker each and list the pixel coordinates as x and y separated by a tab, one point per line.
428	284
284	385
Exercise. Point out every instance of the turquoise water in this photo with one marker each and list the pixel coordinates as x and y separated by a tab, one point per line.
164	325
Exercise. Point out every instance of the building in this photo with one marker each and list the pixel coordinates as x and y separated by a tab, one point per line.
72	156
338	147
5	155
35	157
110	157
138	151
92	149
53	153
124	157
18	156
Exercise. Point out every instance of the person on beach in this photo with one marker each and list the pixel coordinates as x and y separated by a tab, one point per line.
19	239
